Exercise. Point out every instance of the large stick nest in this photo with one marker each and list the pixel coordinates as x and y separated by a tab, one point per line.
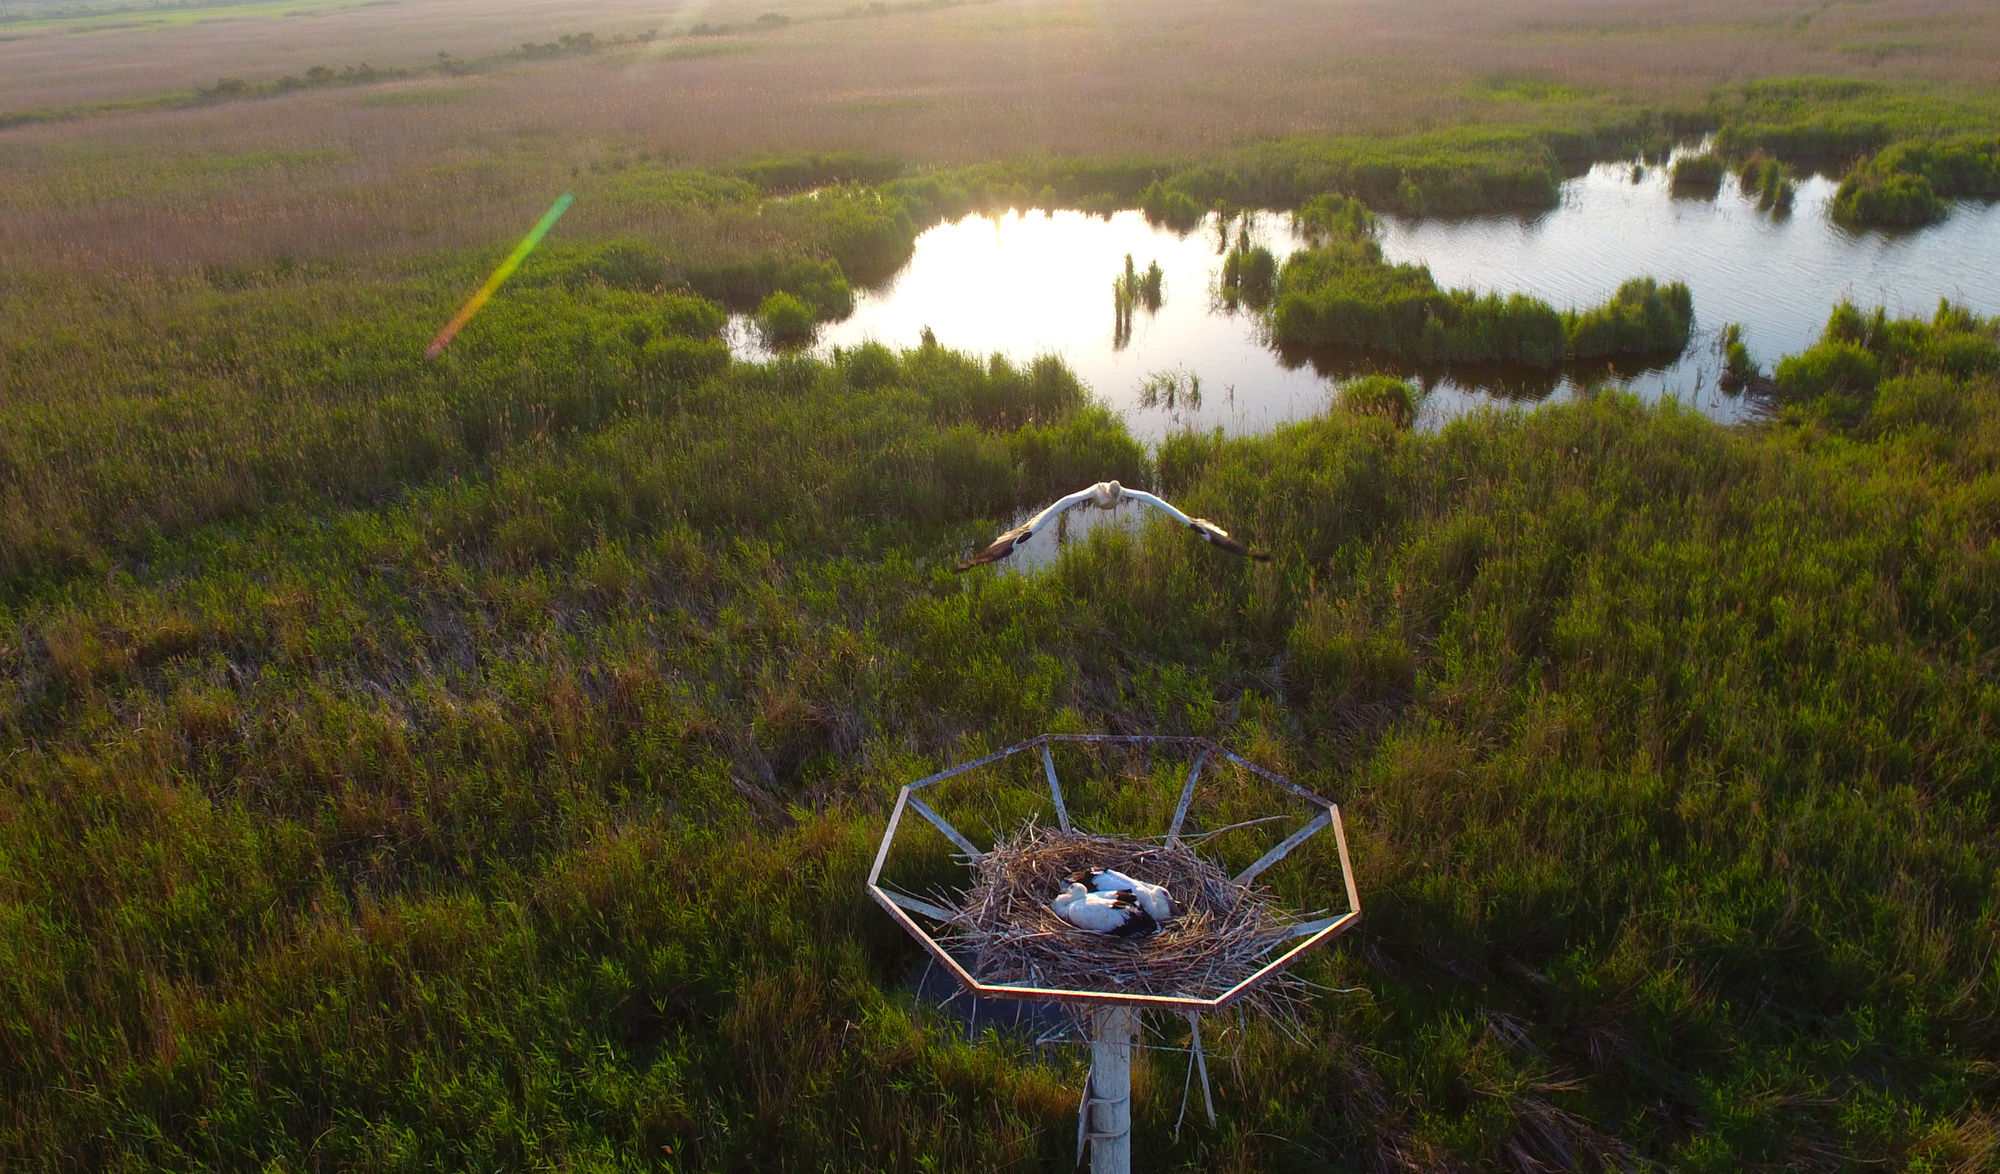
1221	934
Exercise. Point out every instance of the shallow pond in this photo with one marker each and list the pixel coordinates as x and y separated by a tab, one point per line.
1040	283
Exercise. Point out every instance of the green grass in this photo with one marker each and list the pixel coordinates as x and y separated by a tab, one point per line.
1697	176
169	15
1842	376
1830	122
1249	274
1913	182
1444	172
1766	177
1642	320
420	96
407	817
1737	367
1904	153
1341	295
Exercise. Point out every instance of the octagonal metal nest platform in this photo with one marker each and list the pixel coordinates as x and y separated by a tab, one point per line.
1292	942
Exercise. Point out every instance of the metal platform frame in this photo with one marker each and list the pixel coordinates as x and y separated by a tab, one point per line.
1105	1119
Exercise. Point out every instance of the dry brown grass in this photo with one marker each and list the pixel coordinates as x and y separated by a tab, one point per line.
63	62
1177	69
439	160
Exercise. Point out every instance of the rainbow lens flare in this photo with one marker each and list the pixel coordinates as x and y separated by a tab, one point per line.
506	270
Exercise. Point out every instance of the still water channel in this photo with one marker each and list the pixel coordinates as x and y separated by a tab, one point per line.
1039	282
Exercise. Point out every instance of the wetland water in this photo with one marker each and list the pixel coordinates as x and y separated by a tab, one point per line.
1040	283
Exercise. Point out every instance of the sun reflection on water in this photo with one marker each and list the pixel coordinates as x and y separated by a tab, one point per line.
1041	282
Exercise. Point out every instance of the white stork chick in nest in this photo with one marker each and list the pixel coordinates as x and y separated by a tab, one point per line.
1117	914
1154	899
1106	495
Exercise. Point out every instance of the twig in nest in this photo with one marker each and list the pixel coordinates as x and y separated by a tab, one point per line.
1222	933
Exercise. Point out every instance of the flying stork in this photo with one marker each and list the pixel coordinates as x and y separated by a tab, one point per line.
1106	495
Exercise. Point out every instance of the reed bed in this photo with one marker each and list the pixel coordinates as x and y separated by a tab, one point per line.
551	773
1222	931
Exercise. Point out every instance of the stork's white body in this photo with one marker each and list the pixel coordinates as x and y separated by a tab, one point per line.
1154	899
1108	913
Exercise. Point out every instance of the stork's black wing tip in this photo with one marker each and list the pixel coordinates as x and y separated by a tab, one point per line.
1001	548
1218	537
1138	925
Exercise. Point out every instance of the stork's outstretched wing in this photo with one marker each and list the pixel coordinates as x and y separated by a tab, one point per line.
1011	541
1106	493
1215	535
1001	548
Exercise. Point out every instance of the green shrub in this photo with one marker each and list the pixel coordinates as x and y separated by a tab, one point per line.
1249	274
1843	370
797	173
1954	340
934	197
1870	198
1381	395
1643	320
1449	172
1913	182
785	321
1344	296
1927	400
1698	176
1964	354
866	231
744	283
1172	207
1965	167
1826	123
683	360
649	191
1132	290
620	264
869	366
690	316
1765	178
1333	217
1737	369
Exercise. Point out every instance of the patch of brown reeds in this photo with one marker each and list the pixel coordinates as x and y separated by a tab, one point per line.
1222	931
434	160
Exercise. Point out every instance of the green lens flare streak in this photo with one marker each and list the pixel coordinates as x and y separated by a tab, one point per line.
506	270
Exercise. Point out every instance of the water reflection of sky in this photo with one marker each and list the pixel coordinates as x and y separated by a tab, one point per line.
1040	283
1778	276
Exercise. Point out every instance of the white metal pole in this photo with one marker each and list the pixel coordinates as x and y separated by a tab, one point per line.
1108	1107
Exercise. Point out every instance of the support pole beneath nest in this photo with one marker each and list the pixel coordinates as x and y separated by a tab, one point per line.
1107	1098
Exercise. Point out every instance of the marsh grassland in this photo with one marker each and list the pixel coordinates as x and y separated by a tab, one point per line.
417	765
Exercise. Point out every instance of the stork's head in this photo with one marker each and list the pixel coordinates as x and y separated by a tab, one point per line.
1106	494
